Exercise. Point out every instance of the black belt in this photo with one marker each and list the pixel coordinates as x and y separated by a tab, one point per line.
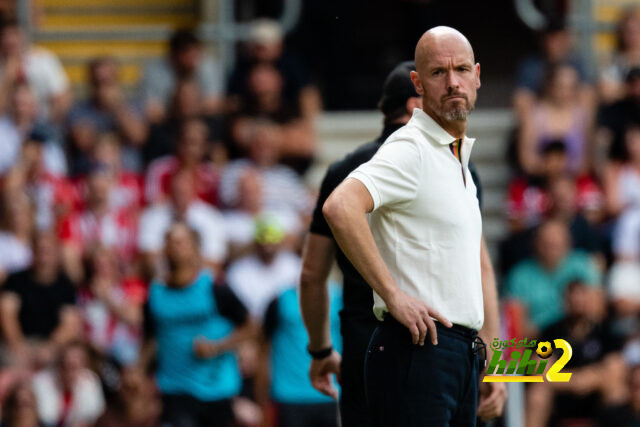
477	344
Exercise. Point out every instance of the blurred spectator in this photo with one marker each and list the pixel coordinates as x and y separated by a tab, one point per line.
539	282
127	191
183	205
21	123
627	414
624	294
135	405
265	46
69	394
622	191
561	202
187	103
53	195
20	62
259	277
16	236
598	371
625	57
186	60
37	312
567	206
556	115
284	376
241	222
615	119
527	200
105	110
556	47
111	307
99	223
195	324
264	100
190	157
282	190
19	408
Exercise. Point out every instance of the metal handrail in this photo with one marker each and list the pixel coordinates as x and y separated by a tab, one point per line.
530	15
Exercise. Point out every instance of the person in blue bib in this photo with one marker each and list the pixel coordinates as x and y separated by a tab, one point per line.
194	324
286	359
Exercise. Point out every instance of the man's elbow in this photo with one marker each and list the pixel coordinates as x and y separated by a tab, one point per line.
335	210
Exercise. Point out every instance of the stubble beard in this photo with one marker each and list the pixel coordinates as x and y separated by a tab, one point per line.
457	113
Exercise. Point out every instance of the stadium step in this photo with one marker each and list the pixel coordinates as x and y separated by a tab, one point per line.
79	30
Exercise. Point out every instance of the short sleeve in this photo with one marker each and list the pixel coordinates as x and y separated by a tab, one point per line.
393	174
329	183
148	326
270	323
12	284
229	305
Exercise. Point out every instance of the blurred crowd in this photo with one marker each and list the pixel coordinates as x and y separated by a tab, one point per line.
570	265
150	236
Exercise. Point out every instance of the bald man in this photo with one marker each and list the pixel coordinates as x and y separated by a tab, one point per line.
409	221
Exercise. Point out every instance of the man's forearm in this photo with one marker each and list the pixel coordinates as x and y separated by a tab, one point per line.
314	296
350	228
491	327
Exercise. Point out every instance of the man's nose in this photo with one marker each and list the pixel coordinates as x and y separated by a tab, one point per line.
452	80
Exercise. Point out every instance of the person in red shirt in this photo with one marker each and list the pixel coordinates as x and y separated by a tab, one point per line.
98	224
190	156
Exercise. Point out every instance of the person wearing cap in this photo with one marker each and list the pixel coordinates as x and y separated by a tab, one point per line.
397	102
409	221
257	278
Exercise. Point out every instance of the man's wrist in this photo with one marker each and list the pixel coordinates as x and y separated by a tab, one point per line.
321	353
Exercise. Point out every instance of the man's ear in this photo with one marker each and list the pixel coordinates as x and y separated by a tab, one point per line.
413	102
478	75
415	78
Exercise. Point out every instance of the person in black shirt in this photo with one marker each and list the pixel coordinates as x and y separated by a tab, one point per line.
614	119
37	305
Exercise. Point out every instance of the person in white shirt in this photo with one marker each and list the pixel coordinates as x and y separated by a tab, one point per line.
421	250
69	394
183	205
39	67
258	278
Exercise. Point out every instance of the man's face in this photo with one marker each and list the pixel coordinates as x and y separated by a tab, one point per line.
552	244
448	80
180	246
188	58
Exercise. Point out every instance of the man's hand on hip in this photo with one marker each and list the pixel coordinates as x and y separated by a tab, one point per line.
320	373
416	316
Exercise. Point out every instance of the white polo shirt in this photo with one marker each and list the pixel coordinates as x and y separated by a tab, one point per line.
425	221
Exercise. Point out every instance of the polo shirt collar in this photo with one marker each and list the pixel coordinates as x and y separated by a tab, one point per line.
425	123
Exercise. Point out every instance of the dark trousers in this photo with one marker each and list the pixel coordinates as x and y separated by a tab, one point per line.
409	385
356	333
311	415
179	410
